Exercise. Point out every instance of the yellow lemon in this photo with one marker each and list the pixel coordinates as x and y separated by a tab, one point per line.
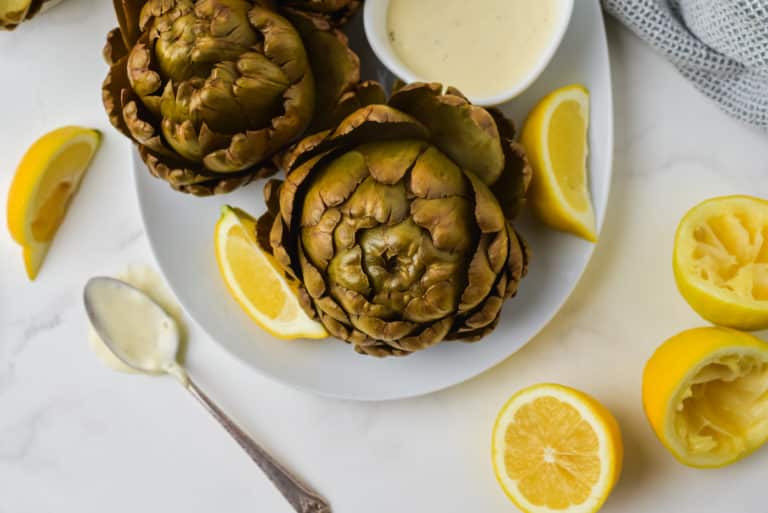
705	393
556	449
45	182
255	281
721	261
555	138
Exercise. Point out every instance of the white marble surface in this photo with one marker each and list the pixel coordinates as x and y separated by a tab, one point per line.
76	437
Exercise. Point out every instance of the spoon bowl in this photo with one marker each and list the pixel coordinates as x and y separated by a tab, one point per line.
135	328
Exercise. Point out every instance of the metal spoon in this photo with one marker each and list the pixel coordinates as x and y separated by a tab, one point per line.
108	295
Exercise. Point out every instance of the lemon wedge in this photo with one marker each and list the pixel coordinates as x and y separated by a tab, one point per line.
255	281
43	187
556	449
705	393
555	138
721	261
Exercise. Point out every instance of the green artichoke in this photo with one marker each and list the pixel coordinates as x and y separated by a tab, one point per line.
14	12
396	224
213	91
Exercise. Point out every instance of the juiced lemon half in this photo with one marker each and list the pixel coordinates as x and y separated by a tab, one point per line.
705	392
721	261
556	449
555	135
45	182
255	281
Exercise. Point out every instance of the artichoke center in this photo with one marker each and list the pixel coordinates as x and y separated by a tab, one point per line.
390	263
381	242
193	39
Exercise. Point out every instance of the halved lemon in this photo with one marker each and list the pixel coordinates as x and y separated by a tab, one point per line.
721	261
255	281
556	449
555	138
45	182
705	393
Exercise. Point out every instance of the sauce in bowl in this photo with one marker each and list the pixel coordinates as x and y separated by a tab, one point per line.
482	47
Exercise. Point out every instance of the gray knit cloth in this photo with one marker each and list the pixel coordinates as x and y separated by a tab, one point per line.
720	45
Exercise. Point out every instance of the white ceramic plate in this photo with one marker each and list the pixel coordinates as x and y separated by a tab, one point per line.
180	231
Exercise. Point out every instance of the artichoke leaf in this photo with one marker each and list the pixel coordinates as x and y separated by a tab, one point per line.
388	161
335	66
447	220
128	13
431	335
465	132
115	48
346	270
384	204
488	213
512	185
340	178
317	239
115	85
435	176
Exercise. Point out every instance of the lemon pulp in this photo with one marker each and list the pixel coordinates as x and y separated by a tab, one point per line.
721	261
553	454
555	137
568	152
556	449
731	252
255	281
56	191
257	285
724	409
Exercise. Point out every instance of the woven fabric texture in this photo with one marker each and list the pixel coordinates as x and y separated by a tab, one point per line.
720	45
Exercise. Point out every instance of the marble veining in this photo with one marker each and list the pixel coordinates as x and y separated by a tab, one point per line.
36	328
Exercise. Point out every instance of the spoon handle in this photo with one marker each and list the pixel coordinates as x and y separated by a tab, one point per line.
302	498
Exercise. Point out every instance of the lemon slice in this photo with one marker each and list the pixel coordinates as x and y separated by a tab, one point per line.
705	393
45	182
256	282
556	449
721	261
555	138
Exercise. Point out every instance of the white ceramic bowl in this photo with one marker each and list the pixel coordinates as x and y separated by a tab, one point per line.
375	19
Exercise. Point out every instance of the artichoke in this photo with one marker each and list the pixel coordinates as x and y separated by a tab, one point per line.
13	12
213	91
396	224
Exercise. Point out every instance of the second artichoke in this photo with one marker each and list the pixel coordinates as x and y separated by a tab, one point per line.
396	223
212	91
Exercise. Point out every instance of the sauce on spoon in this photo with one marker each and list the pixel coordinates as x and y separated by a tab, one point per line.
140	332
148	281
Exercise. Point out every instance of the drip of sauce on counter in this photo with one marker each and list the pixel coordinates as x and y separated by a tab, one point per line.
482	47
147	337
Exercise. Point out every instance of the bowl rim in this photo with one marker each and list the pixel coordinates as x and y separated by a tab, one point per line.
375	23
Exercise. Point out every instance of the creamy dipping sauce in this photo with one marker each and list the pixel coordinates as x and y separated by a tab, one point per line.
142	333
148	281
482	47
